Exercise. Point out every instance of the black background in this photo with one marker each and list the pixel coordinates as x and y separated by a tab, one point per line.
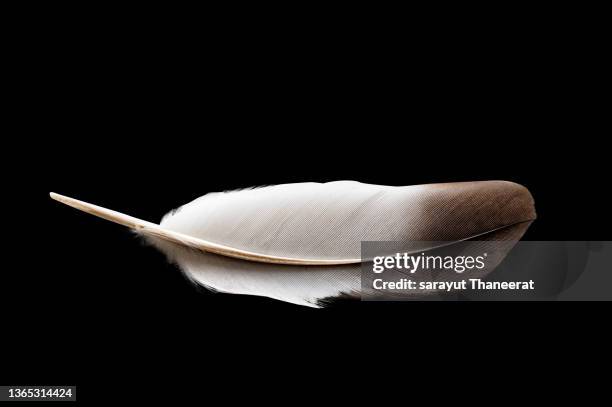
141	116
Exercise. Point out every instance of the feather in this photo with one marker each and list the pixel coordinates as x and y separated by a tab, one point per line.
301	243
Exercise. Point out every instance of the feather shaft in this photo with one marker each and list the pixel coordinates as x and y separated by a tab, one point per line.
152	229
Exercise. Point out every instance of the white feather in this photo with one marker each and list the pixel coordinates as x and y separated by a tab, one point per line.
271	241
